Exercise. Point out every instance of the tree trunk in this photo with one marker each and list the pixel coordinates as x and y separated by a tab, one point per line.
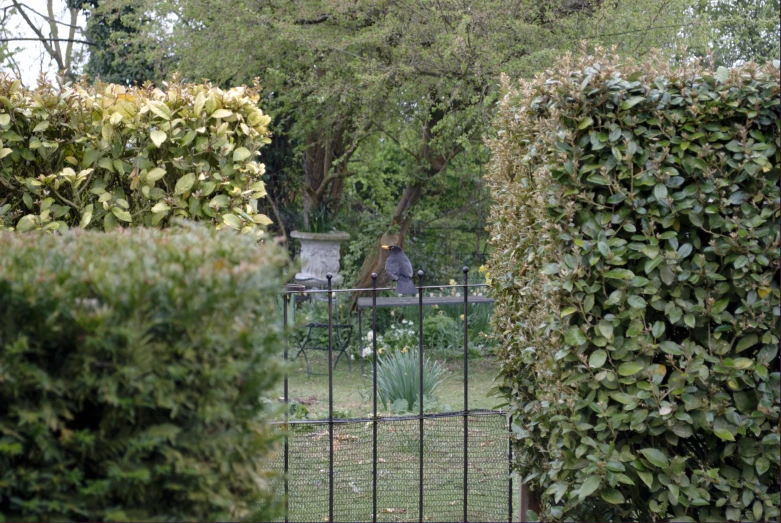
396	234
324	182
430	164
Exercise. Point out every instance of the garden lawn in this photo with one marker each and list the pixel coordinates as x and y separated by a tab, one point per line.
352	394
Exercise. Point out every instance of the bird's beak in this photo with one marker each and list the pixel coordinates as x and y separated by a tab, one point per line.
386	247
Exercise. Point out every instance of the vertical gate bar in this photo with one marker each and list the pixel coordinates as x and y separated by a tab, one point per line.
420	392
360	340
466	390
374	389
330	405
510	469
285	303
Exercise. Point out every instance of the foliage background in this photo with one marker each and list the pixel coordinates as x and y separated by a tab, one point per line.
375	103
636	236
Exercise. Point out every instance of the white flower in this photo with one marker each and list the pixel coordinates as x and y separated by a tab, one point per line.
366	352
370	335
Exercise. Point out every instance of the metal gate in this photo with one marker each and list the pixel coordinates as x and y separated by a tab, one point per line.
452	466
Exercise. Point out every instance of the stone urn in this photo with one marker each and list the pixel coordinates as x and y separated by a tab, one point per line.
319	256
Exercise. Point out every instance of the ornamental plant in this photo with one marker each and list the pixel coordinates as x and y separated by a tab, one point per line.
133	368
635	271
398	375
109	156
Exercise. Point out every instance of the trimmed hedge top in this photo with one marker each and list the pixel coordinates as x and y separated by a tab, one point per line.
133	368
110	155
636	234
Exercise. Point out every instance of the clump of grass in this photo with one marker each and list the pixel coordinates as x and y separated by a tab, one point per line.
397	379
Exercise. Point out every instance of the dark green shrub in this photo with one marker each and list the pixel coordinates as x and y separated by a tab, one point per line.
132	373
636	227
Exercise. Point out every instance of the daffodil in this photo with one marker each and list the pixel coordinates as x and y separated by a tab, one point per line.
462	317
452	282
482	268
405	349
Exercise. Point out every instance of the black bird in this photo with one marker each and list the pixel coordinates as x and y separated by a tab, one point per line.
399	269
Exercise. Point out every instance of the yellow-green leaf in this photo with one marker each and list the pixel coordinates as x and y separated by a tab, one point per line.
568	311
185	183
221	113
262	219
231	220
86	216
155	174
586	122
26	223
241	154
121	214
160	109
158	137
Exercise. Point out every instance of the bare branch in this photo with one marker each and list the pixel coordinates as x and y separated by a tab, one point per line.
74	40
38	33
46	17
55	35
318	20
71	34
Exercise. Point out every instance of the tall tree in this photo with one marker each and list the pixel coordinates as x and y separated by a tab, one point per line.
115	55
743	30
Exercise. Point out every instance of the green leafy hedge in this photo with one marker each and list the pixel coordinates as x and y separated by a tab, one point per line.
112	156
132	371
636	264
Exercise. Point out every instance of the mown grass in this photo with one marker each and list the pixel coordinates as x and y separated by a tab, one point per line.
352	396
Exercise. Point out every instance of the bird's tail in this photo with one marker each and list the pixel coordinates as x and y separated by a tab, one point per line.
404	285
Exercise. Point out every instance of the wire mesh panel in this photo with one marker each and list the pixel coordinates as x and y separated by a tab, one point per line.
433	467
398	469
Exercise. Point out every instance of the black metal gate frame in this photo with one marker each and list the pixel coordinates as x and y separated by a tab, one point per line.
374	290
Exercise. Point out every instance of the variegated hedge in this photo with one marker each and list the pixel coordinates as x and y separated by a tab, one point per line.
635	270
112	156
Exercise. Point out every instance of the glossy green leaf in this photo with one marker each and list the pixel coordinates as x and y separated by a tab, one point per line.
597	359
590	484
630	367
656	457
746	342
575	337
612	496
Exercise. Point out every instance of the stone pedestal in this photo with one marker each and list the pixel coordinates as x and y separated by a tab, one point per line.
319	256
